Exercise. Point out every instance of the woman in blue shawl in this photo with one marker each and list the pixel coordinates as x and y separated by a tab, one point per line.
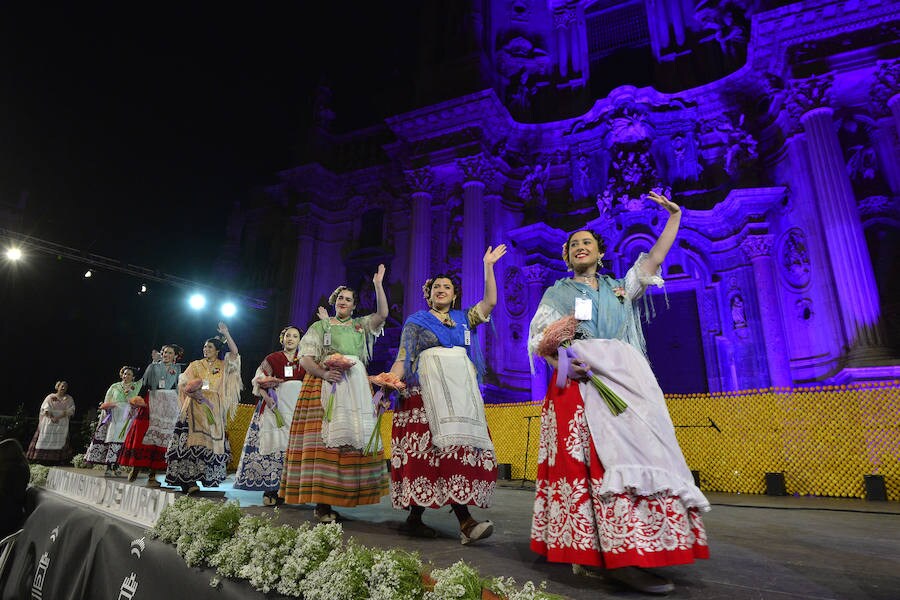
441	448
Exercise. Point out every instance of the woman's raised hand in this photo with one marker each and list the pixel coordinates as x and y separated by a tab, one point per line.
223	328
492	255
322	314
378	277
664	202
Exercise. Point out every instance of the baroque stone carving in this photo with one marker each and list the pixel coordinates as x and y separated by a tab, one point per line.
755	246
803	310
806	94
739	146
419	180
863	163
521	64
794	258
725	19
476	168
581	177
887	84
515	294
534	185
738	317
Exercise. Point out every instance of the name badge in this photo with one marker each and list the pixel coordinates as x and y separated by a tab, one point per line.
468	337
205	385
289	371
162	383
327	339
584	309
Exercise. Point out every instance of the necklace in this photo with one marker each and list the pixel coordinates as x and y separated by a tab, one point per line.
342	321
590	280
443	317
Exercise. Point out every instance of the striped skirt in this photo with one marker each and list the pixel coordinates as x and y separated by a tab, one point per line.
316	474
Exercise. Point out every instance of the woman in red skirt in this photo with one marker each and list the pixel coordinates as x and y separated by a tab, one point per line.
153	423
613	490
441	451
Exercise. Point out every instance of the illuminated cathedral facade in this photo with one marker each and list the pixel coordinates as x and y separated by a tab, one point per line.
776	125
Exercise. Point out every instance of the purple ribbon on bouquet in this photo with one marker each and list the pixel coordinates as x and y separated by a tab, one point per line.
563	369
107	416
274	397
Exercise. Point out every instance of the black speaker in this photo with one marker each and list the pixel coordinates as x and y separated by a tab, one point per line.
504	471
775	484
696	476
875	489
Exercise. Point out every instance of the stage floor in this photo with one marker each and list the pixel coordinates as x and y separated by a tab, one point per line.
761	547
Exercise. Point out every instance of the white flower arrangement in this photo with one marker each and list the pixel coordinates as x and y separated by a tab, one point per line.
313	562
38	475
79	463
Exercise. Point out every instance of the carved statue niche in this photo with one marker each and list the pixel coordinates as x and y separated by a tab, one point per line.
738	318
855	133
581	177
534	186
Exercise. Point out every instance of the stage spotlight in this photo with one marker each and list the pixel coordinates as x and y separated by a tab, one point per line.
13	253
197	301
228	309
88	274
143	290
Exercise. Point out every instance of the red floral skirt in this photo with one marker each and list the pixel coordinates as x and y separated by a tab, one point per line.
573	523
134	452
430	477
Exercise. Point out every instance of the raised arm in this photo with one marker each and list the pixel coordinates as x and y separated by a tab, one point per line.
489	301
381	309
232	347
662	246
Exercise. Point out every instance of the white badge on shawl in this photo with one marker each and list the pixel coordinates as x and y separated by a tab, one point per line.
205	385
584	309
289	371
468	337
162	383
326	339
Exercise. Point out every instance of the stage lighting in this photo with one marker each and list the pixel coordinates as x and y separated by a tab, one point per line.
88	274
13	253
143	290
197	301
228	309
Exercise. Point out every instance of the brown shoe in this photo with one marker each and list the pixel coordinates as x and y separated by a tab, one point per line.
472	531
133	475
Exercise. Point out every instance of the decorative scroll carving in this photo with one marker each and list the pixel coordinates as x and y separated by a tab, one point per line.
755	246
515	294
794	258
535	274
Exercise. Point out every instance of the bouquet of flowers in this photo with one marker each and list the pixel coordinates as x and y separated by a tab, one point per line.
558	338
336	362
192	389
137	401
269	383
380	403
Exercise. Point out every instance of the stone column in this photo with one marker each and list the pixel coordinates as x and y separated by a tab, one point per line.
419	181
758	248
303	282
476	173
851	264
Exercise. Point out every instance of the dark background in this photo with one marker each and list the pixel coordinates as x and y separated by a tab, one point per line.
129	131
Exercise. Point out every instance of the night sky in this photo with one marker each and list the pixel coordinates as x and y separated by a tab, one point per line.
130	130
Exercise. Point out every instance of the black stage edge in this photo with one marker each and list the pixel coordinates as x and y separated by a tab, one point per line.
70	552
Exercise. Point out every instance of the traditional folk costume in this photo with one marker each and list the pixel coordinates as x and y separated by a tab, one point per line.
325	462
152	425
441	450
50	443
611	491
109	437
199	450
262	459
